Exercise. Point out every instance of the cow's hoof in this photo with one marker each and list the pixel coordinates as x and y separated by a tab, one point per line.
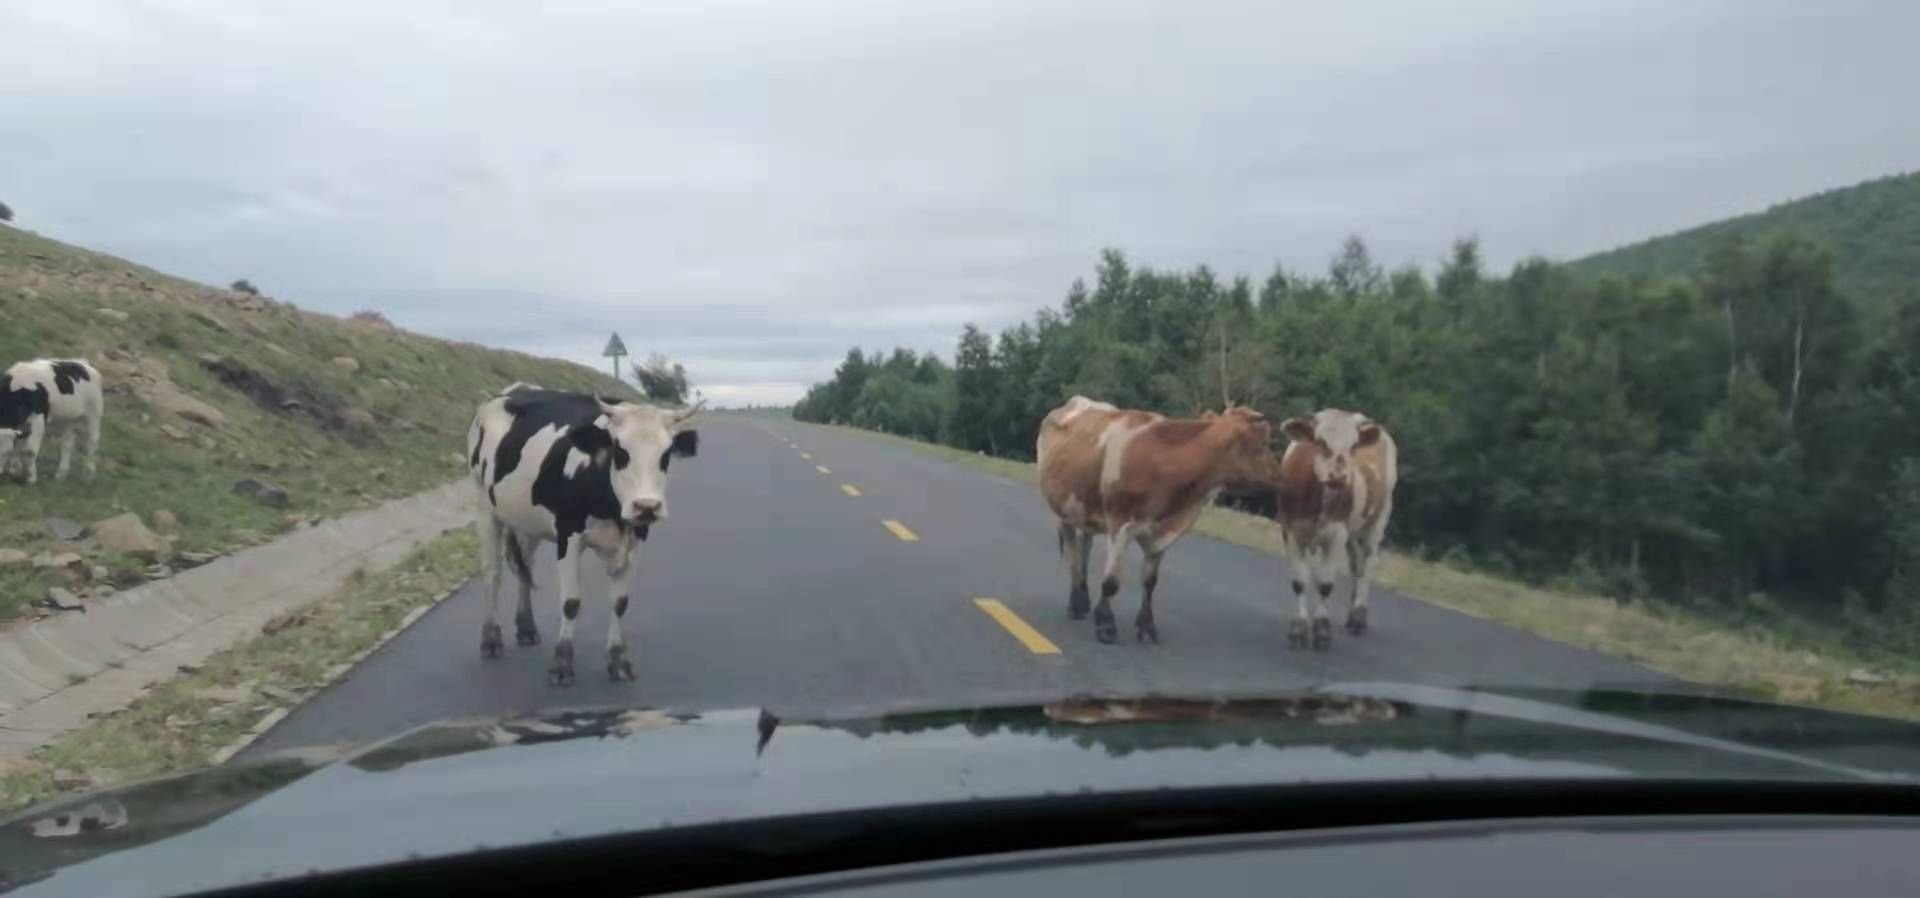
1357	621
1145	631
618	667
1297	633
1104	627
491	643
560	672
1078	605
524	631
1322	634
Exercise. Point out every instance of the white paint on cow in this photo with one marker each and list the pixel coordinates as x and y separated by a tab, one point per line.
1113	445
1079	404
46	396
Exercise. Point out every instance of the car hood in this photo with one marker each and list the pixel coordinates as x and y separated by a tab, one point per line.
464	786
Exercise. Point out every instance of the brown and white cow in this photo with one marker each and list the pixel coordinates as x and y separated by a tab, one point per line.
1335	489
1132	475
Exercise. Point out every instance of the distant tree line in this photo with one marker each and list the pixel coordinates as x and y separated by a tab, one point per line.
1737	437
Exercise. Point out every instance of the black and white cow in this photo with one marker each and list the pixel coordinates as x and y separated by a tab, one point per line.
43	396
578	471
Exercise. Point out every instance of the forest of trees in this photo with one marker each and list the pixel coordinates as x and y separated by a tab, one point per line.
1743	437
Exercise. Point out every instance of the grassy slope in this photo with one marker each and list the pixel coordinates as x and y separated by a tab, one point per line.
421	390
1873	229
1807	668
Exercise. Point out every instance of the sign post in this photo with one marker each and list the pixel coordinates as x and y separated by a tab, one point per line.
615	350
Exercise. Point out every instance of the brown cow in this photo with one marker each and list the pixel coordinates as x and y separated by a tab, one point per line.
1140	476
1335	485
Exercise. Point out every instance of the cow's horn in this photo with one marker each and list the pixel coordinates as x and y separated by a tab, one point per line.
690	412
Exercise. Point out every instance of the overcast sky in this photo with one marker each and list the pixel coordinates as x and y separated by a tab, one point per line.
751	187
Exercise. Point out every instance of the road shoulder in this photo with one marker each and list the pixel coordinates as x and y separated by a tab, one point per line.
58	674
212	709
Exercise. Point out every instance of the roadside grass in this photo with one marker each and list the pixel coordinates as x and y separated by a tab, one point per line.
1811	666
247	358
183	723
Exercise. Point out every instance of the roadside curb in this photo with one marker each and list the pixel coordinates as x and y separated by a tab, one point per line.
56	674
272	718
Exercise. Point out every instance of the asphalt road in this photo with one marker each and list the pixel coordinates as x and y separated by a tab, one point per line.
771	585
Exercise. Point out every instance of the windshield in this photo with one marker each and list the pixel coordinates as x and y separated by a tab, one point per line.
1251	373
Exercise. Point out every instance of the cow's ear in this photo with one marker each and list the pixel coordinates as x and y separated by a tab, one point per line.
1299	430
1259	435
686	443
1369	434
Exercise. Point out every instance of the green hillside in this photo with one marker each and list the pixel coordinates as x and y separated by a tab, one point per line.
206	387
1873	230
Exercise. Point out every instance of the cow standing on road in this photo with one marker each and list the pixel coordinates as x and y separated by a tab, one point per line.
581	472
1140	476
46	395
1335	486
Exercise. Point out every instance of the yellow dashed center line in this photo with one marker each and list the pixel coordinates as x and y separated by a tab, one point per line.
807	455
850	489
822	469
900	530
1012	623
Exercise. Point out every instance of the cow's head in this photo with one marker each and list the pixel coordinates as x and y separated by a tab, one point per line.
1332	435
1247	455
635	444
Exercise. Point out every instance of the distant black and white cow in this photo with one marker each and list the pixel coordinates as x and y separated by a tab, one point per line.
578	471
42	396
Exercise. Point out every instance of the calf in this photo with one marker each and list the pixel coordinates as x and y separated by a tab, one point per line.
1140	476
46	395
581	472
1335	489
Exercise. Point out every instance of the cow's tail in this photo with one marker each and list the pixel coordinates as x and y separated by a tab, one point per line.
517	559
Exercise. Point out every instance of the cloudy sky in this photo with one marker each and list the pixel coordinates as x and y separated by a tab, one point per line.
751	187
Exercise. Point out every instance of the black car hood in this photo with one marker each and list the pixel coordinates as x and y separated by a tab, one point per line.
466	786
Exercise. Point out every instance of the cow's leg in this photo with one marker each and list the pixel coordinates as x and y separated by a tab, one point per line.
491	643
1360	567
93	444
30	452
1297	567
1323	568
618	667
1104	628
1363	551
66	452
560	672
520	552
1143	628
1075	544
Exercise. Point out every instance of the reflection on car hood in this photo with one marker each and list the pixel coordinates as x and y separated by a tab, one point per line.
472	785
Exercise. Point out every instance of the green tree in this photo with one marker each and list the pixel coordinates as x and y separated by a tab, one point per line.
662	380
1749	483
1352	272
976	392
